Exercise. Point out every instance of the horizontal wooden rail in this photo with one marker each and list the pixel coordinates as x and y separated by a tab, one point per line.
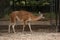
32	23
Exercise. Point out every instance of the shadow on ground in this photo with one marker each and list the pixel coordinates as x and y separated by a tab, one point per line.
35	28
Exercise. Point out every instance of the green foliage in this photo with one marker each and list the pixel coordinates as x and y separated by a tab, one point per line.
50	15
30	2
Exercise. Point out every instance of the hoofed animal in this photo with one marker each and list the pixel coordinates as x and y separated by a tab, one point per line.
23	16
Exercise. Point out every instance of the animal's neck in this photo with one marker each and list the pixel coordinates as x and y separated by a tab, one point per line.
38	17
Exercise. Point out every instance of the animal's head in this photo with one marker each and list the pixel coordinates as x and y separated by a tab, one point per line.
41	15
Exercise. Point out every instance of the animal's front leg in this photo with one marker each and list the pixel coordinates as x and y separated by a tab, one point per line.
23	27
13	26
29	26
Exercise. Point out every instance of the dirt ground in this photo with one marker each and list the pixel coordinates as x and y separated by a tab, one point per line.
30	36
39	33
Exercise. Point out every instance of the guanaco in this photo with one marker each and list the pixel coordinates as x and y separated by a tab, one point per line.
23	16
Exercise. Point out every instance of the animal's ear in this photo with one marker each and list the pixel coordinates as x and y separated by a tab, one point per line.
39	12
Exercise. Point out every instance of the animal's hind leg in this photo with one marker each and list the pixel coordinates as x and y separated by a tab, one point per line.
9	28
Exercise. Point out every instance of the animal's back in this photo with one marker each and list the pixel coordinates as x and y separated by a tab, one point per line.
22	15
25	15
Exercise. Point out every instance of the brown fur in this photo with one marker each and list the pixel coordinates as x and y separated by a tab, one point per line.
23	15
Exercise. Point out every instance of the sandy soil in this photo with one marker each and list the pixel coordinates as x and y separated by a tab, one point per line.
37	35
30	36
